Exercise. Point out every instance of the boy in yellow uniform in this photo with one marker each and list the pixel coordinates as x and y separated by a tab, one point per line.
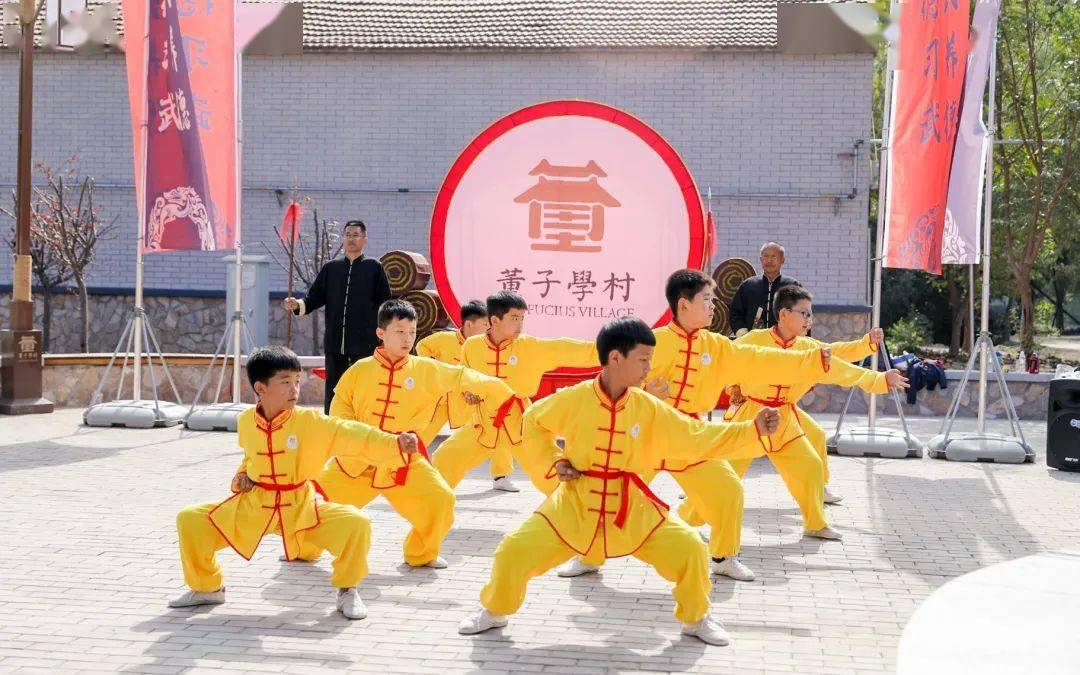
689	370
791	335
285	447
445	346
794	455
603	508
520	361
397	392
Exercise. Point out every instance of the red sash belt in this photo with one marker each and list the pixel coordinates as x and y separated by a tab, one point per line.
504	411
770	402
403	472
624	502
289	487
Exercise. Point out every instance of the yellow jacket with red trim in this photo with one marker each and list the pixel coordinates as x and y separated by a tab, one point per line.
283	457
402	396
520	362
445	346
618	442
785	389
699	364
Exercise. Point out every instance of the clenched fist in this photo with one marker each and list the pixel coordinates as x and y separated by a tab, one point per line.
471	398
767	421
408	442
566	470
290	304
876	335
242	483
735	396
658	387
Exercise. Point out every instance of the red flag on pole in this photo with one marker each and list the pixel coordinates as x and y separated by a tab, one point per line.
188	82
926	115
710	238
290	224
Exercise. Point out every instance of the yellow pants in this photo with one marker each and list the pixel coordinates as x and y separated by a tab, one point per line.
816	435
674	550
501	461
714	495
462	452
342	530
800	466
425	500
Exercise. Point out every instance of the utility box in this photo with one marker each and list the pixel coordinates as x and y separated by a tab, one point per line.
254	298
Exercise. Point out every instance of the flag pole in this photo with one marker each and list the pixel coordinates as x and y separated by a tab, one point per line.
888	99
140	237
237	281
988	187
293	223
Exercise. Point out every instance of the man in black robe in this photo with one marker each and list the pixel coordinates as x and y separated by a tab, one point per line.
351	288
754	303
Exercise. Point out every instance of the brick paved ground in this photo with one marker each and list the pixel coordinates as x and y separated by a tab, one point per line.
89	560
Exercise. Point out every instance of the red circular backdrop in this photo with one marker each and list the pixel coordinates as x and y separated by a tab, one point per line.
581	208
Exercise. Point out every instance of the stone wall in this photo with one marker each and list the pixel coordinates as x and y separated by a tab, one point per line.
190	325
70	381
1029	394
193	324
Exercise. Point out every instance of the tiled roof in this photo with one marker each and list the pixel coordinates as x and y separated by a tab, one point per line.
539	24
536	24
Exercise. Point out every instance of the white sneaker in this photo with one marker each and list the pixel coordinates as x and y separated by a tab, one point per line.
575	568
734	568
481	621
350	604
832	497
503	483
708	630
824	533
196	598
439	563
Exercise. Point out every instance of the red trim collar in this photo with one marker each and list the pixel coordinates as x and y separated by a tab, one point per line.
605	400
779	340
491	344
385	362
682	332
276	423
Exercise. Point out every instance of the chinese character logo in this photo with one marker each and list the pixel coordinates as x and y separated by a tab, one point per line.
27	347
566	207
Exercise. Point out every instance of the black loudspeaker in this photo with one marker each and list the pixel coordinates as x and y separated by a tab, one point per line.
1063	425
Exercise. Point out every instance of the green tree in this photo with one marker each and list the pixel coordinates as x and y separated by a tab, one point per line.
1037	103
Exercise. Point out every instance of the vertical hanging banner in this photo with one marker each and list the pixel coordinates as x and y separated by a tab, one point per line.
188	84
926	115
961	243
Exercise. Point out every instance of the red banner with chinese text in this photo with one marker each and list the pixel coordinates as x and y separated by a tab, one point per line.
191	120
926	114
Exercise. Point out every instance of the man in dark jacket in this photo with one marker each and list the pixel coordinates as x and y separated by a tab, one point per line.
754	303
351	288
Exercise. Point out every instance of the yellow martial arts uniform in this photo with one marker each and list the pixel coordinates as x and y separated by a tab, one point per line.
697	365
398	397
609	511
521	363
792	453
282	457
854	351
445	346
